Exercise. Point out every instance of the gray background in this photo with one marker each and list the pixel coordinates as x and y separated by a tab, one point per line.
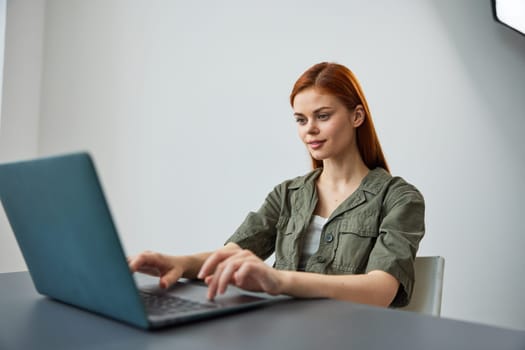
184	106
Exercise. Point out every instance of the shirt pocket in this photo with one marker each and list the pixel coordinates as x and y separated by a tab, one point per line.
288	231
354	244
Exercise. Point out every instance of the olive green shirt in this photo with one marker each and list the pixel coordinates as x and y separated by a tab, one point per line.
378	227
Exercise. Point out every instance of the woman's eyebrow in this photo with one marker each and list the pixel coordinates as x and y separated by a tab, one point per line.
317	110
321	108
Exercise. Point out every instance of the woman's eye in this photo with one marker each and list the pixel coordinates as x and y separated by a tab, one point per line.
323	116
301	121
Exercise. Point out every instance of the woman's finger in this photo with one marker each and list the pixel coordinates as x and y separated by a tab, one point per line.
145	263
256	276
227	270
210	265
226	275
223	274
213	281
170	277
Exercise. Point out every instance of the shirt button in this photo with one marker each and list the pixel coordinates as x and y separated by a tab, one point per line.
321	259
329	238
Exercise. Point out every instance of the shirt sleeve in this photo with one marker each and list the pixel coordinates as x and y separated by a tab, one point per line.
258	231
400	232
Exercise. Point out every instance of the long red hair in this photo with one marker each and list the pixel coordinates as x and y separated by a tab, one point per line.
339	81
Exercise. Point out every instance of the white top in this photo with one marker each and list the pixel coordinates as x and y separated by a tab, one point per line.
311	239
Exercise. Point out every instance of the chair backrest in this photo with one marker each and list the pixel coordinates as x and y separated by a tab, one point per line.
428	288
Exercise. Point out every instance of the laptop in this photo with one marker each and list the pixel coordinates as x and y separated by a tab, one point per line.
63	226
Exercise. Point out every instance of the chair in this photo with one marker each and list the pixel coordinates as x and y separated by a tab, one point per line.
428	288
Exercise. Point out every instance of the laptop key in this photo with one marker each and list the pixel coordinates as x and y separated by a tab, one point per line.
162	304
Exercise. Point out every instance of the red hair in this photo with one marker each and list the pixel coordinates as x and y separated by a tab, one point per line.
339	81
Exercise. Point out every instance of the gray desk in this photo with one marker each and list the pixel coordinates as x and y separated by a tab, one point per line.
30	321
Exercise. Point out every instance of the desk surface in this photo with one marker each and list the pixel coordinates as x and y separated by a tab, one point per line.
31	321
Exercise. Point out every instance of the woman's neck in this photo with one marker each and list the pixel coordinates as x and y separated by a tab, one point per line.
337	182
343	173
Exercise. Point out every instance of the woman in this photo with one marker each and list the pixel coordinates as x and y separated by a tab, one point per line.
347	230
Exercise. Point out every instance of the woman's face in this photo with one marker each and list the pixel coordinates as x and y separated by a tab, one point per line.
325	125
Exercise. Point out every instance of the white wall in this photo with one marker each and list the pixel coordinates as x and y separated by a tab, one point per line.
3	9
20	106
185	108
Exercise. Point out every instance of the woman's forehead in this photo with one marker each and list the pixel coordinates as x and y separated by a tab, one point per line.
312	99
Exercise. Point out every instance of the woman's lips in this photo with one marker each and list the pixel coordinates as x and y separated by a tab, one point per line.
316	144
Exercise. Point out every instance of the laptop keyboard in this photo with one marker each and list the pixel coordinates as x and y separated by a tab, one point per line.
162	304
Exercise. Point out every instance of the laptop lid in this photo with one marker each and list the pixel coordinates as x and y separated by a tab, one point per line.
63	226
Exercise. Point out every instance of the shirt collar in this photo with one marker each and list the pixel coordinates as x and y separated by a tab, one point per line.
300	181
372	182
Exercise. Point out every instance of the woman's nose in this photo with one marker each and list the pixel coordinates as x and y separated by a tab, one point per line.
312	128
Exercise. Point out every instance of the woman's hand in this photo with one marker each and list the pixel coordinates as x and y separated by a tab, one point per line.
168	268
240	267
